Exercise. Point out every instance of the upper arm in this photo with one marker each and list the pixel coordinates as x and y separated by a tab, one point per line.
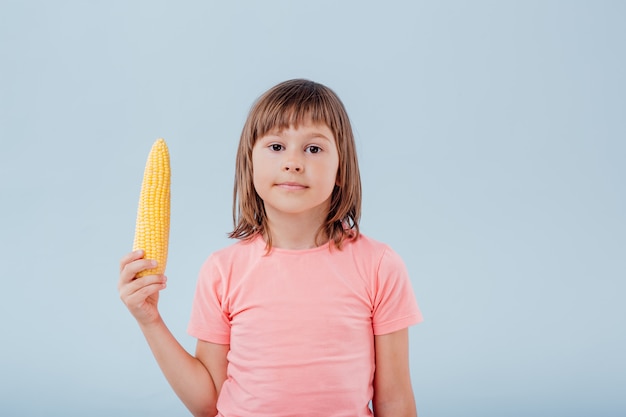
393	393
213	357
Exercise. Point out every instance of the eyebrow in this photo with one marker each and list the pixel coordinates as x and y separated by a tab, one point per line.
311	134
320	135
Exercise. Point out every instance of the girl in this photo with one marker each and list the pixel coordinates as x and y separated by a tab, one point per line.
303	315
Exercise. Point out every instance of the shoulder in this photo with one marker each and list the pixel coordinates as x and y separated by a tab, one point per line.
364	242
373	249
238	253
373	259
237	250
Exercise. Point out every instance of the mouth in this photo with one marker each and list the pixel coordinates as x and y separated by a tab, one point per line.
291	186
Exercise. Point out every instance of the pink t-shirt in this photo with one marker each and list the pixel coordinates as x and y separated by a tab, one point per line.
301	324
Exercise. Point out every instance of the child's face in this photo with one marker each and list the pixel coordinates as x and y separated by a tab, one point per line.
295	170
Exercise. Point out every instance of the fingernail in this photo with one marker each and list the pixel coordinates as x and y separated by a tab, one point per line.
153	263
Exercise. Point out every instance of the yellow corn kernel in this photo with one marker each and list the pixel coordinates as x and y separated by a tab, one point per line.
153	214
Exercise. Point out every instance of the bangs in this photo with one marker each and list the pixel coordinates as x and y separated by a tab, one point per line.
305	102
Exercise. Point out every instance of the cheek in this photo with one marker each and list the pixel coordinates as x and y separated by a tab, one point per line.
257	180
334	169
260	178
257	169
329	181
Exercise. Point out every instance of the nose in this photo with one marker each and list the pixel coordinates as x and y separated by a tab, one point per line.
293	164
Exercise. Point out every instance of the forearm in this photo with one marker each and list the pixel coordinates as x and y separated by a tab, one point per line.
189	378
400	408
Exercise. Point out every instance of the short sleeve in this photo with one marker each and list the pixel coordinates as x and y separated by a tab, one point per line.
210	320
395	306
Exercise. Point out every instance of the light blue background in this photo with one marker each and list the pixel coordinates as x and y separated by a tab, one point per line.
491	137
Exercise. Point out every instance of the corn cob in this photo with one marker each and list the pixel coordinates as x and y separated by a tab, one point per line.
153	214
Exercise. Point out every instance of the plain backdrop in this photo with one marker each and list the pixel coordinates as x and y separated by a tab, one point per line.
491	138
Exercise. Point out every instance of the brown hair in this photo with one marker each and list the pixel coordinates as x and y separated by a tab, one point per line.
289	104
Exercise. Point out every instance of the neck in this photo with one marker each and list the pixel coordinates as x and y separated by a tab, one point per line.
294	231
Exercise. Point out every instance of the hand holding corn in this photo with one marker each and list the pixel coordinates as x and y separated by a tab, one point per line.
149	256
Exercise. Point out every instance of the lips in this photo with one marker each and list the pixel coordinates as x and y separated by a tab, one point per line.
291	186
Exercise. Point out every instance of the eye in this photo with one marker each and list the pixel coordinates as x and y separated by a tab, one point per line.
314	149
276	147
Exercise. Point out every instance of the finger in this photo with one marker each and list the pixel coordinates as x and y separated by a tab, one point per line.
135	294
136	285
146	281
129	257
131	269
